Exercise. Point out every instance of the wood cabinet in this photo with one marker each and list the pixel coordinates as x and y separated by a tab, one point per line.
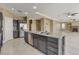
38	25
30	25
42	25
69	26
51	25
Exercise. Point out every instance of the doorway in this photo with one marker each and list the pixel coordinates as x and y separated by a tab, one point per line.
16	28
19	26
22	28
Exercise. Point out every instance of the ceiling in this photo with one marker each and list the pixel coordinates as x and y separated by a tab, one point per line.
55	11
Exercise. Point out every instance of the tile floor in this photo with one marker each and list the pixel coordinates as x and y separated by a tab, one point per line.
18	47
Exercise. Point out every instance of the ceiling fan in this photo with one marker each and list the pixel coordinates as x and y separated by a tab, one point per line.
70	14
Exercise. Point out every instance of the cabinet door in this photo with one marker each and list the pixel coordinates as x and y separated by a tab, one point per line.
38	25
26	37
35	40
51	53
42	44
52	46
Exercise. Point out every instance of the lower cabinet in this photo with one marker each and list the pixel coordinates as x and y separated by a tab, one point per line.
52	46
39	42
26	37
47	45
35	43
51	53
35	40
42	44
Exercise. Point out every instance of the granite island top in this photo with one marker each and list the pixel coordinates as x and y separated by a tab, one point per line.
54	35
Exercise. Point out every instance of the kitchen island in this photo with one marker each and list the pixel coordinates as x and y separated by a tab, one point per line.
46	43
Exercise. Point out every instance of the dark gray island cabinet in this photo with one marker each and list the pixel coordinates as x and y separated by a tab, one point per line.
26	37
52	46
47	45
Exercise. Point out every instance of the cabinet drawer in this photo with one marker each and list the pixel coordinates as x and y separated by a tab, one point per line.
53	49
42	37
53	45
35	43
26	37
51	53
54	40
35	35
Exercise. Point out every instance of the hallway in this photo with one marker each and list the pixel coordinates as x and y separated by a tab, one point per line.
18	47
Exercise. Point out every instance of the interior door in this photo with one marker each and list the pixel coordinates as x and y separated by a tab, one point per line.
15	28
1	31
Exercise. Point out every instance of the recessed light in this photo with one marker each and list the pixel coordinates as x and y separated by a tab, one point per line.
13	9
69	16
34	7
25	13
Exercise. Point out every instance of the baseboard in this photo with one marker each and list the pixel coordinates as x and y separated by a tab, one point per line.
6	41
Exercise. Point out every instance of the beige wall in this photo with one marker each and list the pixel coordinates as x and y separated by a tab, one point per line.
8	13
7	28
8	24
56	27
46	25
75	23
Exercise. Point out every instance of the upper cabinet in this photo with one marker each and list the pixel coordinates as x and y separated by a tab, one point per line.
44	25
40	25
30	25
48	25
69	26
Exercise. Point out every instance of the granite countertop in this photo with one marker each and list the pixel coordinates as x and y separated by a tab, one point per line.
56	35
